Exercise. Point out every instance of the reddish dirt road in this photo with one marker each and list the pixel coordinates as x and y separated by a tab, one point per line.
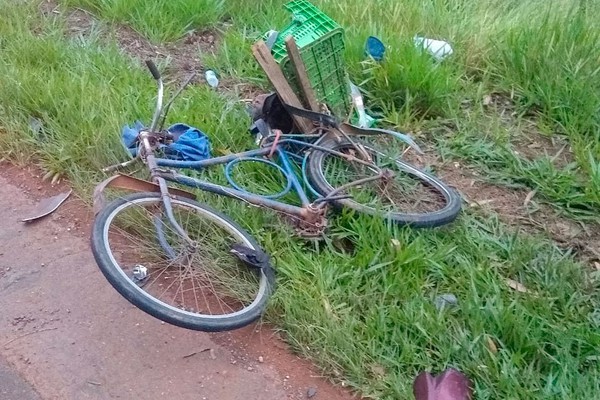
68	334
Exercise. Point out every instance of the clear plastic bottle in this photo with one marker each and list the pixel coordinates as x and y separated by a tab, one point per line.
364	119
211	78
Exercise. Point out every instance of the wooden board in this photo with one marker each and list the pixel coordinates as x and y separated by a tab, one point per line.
300	69
282	87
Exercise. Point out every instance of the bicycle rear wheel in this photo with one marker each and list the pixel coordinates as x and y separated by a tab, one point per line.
202	287
411	197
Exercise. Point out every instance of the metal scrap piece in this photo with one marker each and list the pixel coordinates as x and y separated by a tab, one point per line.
47	206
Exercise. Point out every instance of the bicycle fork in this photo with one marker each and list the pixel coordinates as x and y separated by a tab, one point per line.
165	197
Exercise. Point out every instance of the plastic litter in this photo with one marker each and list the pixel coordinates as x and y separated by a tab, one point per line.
211	78
437	48
447	300
451	384
364	120
321	44
272	36
374	48
189	143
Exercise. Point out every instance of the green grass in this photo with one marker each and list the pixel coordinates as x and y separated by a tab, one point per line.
542	54
565	91
158	20
487	142
361	303
374	310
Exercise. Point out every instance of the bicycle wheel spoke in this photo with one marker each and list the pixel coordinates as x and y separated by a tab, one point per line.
403	192
202	278
195	295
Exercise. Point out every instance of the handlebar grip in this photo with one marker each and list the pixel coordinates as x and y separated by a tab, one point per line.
152	67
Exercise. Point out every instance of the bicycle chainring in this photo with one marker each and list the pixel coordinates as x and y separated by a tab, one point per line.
313	225
311	230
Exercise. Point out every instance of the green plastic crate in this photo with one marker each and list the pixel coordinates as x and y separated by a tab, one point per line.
308	25
320	41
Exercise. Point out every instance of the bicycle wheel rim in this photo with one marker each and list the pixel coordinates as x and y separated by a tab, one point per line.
180	314
448	199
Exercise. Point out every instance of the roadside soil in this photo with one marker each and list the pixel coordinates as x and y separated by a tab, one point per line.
66	332
69	335
522	209
183	57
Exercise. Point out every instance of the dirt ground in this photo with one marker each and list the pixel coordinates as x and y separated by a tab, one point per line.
68	335
521	209
13	386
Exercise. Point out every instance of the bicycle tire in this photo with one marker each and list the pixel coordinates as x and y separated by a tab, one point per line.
443	216
156	307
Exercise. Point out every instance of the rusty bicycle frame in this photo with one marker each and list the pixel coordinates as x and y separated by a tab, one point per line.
310	214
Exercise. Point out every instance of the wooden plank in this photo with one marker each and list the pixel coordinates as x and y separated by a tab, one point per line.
282	87
300	69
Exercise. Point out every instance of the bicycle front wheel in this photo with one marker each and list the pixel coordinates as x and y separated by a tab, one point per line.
410	196
202	286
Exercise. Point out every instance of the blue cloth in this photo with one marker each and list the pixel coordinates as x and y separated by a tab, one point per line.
189	144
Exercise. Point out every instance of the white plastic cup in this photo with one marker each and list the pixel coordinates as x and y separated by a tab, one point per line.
437	48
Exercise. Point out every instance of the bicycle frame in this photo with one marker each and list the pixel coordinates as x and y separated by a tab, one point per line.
252	198
310	213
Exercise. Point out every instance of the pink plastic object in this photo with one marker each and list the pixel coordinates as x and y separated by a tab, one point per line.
449	385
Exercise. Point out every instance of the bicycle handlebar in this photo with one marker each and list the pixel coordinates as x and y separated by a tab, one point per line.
152	67
159	99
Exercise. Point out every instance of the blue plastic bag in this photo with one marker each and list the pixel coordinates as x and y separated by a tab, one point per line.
189	144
